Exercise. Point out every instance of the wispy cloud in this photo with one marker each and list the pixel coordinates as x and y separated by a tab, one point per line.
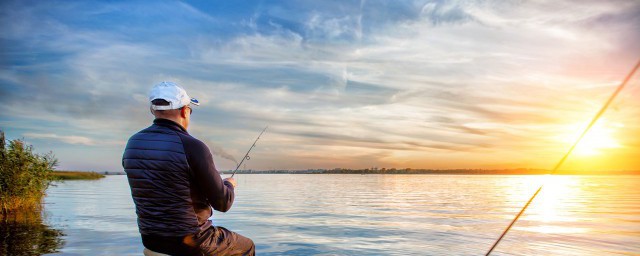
66	139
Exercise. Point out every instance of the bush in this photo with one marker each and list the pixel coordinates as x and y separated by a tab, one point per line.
24	175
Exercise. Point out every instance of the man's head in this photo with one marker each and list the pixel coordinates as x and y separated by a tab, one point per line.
170	101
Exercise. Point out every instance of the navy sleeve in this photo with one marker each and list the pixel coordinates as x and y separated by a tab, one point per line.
219	194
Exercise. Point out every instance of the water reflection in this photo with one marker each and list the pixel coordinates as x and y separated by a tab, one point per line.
572	215
550	212
23	233
380	215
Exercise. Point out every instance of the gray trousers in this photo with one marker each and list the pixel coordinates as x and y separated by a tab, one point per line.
221	241
212	241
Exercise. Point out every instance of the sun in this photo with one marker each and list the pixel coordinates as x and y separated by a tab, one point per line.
597	140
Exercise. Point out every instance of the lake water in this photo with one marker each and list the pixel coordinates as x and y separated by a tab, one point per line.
379	215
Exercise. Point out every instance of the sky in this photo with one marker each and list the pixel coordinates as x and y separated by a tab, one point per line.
340	84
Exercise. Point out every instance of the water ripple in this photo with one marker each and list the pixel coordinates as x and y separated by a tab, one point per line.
381	215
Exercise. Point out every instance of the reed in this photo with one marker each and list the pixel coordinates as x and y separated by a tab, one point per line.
24	175
76	175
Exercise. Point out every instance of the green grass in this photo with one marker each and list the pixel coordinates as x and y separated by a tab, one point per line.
75	175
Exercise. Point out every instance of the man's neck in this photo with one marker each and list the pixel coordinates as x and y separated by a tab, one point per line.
174	120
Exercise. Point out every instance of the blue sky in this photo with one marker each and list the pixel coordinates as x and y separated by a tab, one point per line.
357	84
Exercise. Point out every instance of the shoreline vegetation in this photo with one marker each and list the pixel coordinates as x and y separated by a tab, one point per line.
76	175
24	179
24	176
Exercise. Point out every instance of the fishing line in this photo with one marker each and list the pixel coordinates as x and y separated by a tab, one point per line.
246	156
593	121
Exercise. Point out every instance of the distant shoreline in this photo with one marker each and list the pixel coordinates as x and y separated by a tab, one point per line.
76	175
423	172
436	172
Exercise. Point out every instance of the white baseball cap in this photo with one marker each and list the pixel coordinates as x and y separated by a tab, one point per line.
173	93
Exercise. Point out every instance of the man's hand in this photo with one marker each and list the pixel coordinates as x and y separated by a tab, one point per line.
230	180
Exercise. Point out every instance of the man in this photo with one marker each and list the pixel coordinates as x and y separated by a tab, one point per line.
175	185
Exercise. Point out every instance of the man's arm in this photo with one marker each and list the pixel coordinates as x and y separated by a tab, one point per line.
219	193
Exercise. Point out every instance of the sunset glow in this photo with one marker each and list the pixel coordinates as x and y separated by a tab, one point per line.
598	140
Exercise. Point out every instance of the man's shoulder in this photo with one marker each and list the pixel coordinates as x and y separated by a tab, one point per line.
156	133
140	133
192	143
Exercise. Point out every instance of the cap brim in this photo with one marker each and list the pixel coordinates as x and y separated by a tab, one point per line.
194	101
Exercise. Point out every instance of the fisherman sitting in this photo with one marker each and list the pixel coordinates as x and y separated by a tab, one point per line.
175	185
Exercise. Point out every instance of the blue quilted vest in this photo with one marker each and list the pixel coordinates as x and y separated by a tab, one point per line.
159	177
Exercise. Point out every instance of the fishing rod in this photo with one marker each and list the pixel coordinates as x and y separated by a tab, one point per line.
593	121
246	156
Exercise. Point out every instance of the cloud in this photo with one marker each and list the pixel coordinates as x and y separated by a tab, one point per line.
380	82
439	12
66	139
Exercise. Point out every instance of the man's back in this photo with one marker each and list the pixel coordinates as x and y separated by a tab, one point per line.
158	174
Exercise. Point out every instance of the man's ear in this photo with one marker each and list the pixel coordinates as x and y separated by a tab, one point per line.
183	112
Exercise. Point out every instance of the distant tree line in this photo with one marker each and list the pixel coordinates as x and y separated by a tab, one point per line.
515	171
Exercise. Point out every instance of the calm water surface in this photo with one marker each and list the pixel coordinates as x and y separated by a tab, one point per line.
379	215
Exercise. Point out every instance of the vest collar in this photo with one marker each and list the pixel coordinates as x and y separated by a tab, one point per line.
168	123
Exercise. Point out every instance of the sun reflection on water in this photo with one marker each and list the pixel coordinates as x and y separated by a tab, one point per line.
550	212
